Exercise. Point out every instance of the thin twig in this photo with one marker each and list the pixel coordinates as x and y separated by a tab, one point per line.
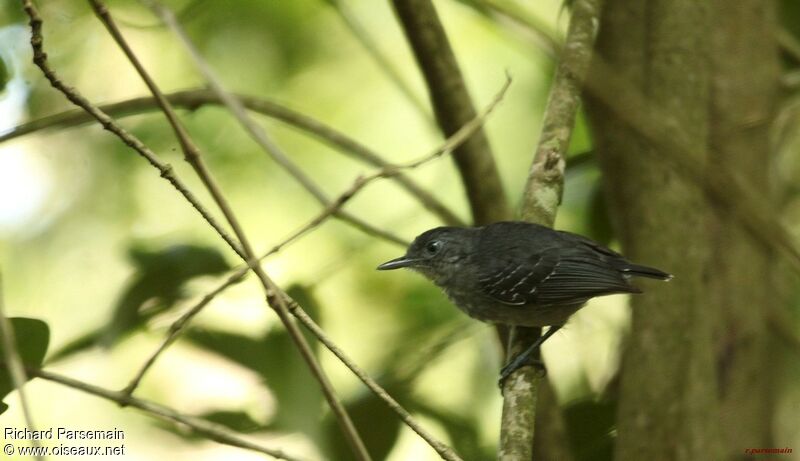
165	169
36	42
450	145
384	64
199	426
545	37
192	99
16	369
180	325
540	202
193	157
453	107
444	451
256	132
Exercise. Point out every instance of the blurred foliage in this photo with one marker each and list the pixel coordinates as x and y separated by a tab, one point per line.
31	337
5	75
276	360
590	429
379	425
790	16
74	265
157	285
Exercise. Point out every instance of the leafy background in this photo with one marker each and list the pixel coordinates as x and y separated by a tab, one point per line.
97	246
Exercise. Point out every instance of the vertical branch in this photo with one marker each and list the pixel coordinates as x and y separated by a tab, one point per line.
541	199
453	108
15	367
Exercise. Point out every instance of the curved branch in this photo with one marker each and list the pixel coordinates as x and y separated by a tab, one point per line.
196	98
256	132
180	325
210	430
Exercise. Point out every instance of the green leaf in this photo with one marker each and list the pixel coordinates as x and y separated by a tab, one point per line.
378	425
5	76
160	277
32	337
237	421
158	282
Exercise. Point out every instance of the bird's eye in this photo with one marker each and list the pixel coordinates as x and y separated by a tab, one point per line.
433	247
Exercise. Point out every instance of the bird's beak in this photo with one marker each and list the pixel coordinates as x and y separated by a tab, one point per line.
396	263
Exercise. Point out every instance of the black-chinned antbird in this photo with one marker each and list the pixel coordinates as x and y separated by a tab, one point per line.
518	273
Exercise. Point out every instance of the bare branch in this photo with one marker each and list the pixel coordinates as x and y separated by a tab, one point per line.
177	327
541	199
165	169
193	157
256	131
180	325
453	108
200	426
274	296
444	451
192	99
16	369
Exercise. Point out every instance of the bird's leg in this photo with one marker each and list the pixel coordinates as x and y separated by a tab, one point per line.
524	358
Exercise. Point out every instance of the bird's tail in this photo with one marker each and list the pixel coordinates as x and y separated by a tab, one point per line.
645	271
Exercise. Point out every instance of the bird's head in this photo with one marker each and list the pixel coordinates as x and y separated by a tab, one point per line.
436	253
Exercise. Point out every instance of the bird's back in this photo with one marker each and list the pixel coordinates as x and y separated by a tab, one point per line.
524	264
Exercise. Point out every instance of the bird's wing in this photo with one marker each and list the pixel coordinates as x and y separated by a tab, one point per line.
578	277
515	281
554	276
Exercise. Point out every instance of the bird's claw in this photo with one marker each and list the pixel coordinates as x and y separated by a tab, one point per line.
518	363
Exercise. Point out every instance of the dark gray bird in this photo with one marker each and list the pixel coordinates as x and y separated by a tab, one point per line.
518	273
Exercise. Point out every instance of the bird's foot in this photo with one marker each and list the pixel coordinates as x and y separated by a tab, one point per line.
519	362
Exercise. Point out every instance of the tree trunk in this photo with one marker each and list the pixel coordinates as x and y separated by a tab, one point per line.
694	384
